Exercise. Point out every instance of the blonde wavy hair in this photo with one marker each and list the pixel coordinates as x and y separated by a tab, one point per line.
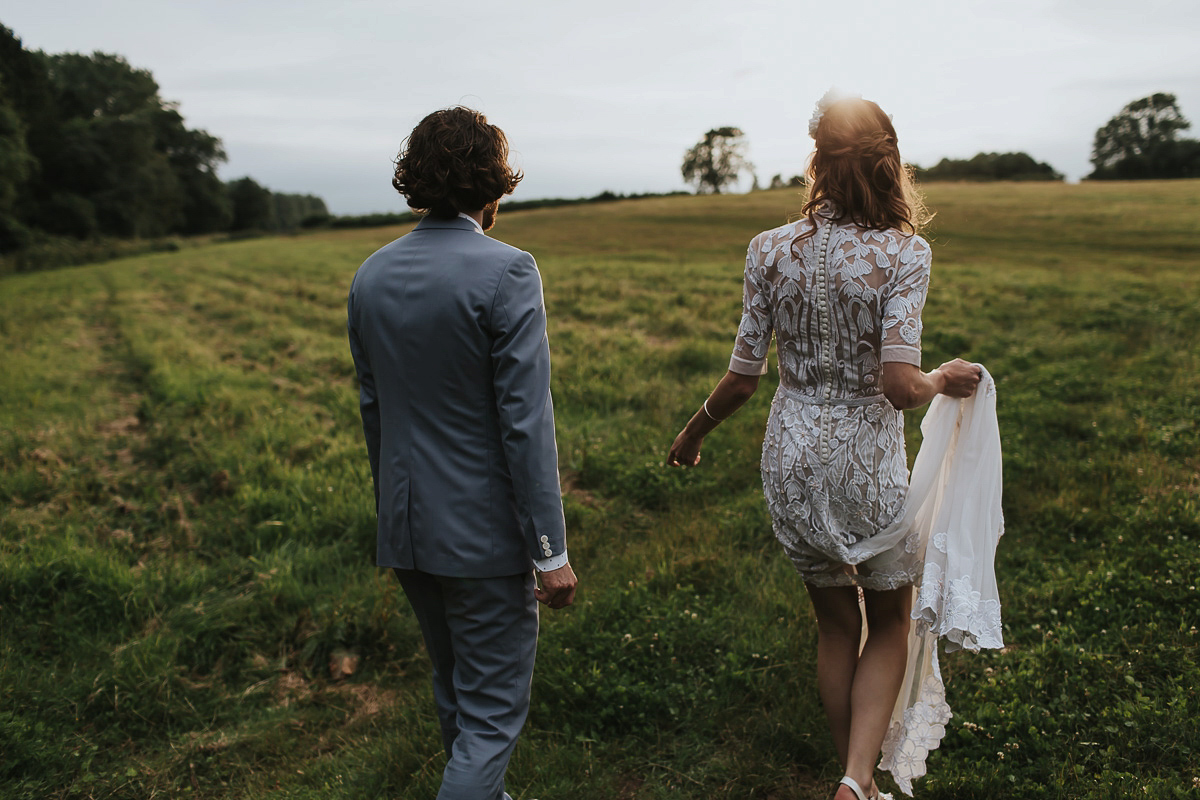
856	173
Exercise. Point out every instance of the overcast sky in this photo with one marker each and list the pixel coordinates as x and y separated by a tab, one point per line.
316	97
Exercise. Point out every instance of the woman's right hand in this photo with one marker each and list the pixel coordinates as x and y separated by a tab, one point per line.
685	451
961	377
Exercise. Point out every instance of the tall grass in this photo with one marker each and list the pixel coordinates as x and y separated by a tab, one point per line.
187	529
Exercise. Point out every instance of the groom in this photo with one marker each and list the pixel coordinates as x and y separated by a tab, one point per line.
448	332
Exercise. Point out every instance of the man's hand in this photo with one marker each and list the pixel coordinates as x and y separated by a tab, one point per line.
557	588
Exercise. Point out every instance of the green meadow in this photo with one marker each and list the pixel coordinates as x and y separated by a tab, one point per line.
189	606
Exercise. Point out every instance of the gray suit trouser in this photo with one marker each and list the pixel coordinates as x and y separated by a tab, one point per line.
481	634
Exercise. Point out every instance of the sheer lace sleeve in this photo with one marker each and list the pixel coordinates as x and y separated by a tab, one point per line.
754	333
905	299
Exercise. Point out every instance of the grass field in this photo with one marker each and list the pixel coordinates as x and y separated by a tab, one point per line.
188	606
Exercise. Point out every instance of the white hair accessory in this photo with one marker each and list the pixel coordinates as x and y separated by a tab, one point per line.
832	96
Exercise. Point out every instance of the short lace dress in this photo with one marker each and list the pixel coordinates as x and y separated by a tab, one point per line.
835	476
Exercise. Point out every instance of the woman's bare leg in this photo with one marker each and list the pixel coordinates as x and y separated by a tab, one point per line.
877	679
839	630
859	691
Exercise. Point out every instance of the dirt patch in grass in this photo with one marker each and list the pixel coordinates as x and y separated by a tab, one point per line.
291	688
569	481
365	699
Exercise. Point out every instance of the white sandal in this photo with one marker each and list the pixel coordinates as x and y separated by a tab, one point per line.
858	792
854	787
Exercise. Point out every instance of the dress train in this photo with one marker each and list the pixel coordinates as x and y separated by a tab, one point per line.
954	505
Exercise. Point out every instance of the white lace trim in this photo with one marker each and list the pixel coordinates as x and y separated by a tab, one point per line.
967	621
919	732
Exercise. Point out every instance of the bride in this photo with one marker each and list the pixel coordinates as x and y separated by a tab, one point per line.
842	290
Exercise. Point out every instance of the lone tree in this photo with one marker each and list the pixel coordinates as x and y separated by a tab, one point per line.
1142	142
716	160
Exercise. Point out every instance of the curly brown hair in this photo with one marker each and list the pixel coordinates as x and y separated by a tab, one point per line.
454	161
856	169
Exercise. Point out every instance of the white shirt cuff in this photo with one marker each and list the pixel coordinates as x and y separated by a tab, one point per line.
551	563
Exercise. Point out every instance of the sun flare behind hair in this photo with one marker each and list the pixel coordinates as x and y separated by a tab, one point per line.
856	169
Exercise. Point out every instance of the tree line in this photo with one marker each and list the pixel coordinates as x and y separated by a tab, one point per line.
719	159
89	149
1141	142
990	167
382	218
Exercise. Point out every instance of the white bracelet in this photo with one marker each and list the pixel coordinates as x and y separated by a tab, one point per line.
709	413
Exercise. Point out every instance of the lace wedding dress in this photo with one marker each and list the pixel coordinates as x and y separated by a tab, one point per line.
840	303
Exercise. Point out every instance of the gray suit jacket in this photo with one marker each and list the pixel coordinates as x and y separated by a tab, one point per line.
448	332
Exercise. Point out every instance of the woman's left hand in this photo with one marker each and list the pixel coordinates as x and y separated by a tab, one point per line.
685	451
731	392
